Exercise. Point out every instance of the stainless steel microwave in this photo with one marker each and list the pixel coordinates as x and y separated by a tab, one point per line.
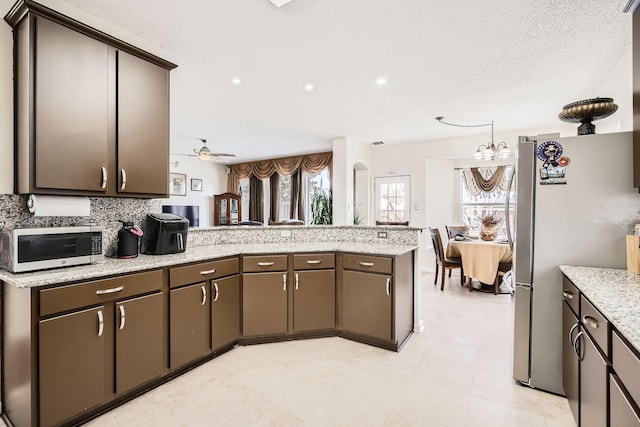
29	249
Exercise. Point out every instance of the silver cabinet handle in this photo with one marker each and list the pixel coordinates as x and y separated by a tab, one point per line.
575	345
122	317
297	281
265	264
123	183
215	288
366	264
204	295
567	295
590	322
205	272
573	328
109	291
100	323
284	282
104	178
388	285
314	262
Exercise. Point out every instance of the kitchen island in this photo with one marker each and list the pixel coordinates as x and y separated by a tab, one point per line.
80	340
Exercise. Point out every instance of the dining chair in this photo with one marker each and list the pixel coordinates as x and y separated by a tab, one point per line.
442	260
503	267
454	230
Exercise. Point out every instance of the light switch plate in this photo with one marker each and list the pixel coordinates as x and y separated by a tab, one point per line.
285	233
382	234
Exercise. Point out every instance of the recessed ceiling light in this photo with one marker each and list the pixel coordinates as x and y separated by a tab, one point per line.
309	87
381	81
236	81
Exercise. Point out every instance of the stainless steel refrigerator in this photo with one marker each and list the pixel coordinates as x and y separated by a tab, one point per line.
575	202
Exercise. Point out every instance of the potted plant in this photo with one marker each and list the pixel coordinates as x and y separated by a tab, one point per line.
321	207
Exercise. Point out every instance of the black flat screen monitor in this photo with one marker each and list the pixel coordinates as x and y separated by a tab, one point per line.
192	213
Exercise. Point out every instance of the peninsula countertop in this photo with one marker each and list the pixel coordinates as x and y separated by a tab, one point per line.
615	292
114	266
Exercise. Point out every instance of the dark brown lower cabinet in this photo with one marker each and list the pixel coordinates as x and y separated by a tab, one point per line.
189	325
72	374
225	311
139	341
264	303
570	361
367	304
593	384
314	300
624	412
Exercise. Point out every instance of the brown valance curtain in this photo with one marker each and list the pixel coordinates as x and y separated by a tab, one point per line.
486	180
310	163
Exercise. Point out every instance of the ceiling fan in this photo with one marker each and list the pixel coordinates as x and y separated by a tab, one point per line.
205	154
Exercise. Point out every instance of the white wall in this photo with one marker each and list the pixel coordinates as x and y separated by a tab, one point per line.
346	154
214	181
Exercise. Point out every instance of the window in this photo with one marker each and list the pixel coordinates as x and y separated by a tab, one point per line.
284	209
475	207
313	183
392	198
244	192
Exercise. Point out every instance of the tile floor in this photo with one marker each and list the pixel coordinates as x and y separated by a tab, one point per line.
455	373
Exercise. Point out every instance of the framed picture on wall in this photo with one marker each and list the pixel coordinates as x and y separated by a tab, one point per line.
177	184
196	184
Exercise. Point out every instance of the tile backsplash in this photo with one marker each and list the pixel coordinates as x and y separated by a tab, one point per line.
105	212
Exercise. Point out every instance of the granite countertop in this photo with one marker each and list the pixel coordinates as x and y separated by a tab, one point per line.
615	292
113	266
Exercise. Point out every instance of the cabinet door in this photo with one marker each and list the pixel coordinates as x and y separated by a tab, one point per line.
72	364
143	126
623	410
593	385
314	300
225	311
139	341
71	109
570	361
189	334
264	303
366	304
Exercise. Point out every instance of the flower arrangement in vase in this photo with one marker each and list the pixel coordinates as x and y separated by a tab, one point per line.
489	226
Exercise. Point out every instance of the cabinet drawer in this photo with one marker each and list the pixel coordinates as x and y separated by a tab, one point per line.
626	364
314	261
373	264
571	295
595	323
623	411
69	297
180	276
264	263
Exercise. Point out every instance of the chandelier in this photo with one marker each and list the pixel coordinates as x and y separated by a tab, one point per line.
485	151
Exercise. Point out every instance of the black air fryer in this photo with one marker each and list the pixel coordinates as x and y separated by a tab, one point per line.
164	233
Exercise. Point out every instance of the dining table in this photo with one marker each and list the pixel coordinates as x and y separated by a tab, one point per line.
480	258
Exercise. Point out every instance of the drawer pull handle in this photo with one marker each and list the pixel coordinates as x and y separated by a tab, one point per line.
284	282
567	295
123	183
266	264
100	323
204	295
388	285
205	272
104	178
122	317
215	288
366	264
297	281
109	291
314	261
573	328
590	322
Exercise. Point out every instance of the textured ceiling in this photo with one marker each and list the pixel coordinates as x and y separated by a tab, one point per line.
516	62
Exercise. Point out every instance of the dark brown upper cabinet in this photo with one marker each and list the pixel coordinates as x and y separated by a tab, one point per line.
91	112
